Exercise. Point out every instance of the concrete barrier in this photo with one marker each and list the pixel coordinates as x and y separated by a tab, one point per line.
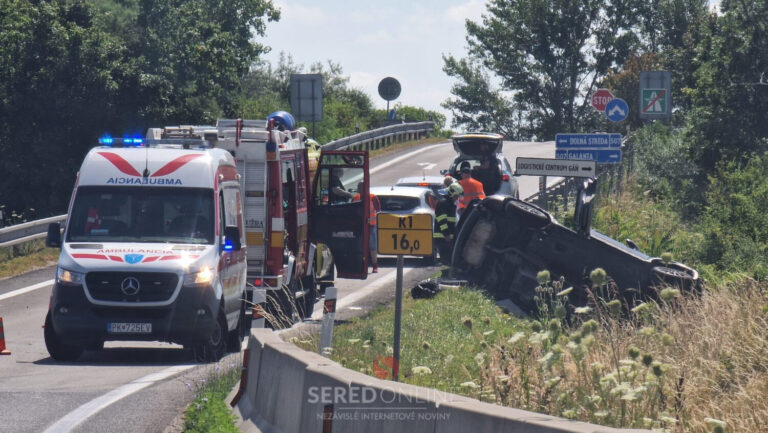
290	390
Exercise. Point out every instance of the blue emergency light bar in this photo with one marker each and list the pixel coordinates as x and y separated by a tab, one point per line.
108	140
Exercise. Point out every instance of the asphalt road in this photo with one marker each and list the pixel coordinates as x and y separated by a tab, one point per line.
144	387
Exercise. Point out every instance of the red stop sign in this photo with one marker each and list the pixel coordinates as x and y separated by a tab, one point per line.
600	98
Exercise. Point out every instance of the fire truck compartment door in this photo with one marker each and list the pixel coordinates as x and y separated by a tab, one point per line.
340	209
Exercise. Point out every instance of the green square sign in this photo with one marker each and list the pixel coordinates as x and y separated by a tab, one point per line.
654	101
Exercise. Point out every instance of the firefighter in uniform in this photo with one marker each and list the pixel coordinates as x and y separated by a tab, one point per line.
445	221
473	189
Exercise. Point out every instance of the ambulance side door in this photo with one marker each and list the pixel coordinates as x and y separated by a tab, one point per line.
339	218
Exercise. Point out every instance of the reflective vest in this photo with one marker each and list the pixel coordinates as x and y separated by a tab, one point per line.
473	189
374	208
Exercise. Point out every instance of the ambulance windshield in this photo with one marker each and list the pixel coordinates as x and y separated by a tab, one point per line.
142	214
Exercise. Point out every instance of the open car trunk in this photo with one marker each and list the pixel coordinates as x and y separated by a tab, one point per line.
477	145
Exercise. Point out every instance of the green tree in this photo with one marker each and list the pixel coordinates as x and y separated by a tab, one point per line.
195	53
550	54
267	89
671	30
71	70
60	82
476	105
735	220
729	116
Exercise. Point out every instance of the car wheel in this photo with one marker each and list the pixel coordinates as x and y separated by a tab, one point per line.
59	350
530	215
673	277
212	348
95	346
235	336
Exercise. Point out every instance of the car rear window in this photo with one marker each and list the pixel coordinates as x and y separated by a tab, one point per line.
394	203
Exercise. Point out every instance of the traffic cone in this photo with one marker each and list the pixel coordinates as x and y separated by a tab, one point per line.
3	351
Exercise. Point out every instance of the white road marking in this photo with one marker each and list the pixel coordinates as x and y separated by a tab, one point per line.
26	289
77	416
426	165
352	181
402	157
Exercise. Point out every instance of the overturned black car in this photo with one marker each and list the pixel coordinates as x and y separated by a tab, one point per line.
503	243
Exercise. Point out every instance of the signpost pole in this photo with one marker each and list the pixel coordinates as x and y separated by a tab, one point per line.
398	316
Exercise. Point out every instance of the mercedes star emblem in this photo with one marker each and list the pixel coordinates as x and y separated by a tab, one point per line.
130	286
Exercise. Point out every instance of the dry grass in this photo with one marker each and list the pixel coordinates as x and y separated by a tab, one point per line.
677	365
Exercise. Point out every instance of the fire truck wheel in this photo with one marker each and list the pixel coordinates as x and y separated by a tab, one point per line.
212	348
307	303
235	336
56	348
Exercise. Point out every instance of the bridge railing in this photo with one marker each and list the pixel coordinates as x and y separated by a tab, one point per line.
381	137
28	231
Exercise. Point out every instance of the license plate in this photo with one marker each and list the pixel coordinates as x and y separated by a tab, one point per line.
129	328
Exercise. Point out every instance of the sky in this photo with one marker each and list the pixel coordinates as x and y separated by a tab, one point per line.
404	39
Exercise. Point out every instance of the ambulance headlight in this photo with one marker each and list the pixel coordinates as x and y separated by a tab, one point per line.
200	278
69	278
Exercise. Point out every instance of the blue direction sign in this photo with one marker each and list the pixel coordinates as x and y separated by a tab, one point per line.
569	141
603	156
617	109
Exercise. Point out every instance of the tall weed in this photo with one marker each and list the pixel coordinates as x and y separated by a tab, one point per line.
677	365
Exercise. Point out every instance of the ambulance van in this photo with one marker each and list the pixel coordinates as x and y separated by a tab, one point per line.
153	250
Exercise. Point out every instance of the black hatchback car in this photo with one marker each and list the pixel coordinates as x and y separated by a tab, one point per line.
503	242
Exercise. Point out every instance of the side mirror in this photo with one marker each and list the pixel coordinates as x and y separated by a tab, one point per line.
443	172
231	239
53	239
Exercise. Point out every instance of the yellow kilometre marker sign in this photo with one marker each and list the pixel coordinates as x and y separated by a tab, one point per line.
405	234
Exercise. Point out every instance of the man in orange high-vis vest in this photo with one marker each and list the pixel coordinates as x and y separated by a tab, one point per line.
373	238
473	189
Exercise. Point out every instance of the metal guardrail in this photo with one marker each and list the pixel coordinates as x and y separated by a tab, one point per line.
375	138
25	232
380	137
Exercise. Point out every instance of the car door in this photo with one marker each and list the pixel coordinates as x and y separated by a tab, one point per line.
338	219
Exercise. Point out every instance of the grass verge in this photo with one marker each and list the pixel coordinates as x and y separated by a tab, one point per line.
26	257
210	412
444	334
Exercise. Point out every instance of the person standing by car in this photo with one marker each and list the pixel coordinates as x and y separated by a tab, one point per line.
373	238
472	188
445	220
